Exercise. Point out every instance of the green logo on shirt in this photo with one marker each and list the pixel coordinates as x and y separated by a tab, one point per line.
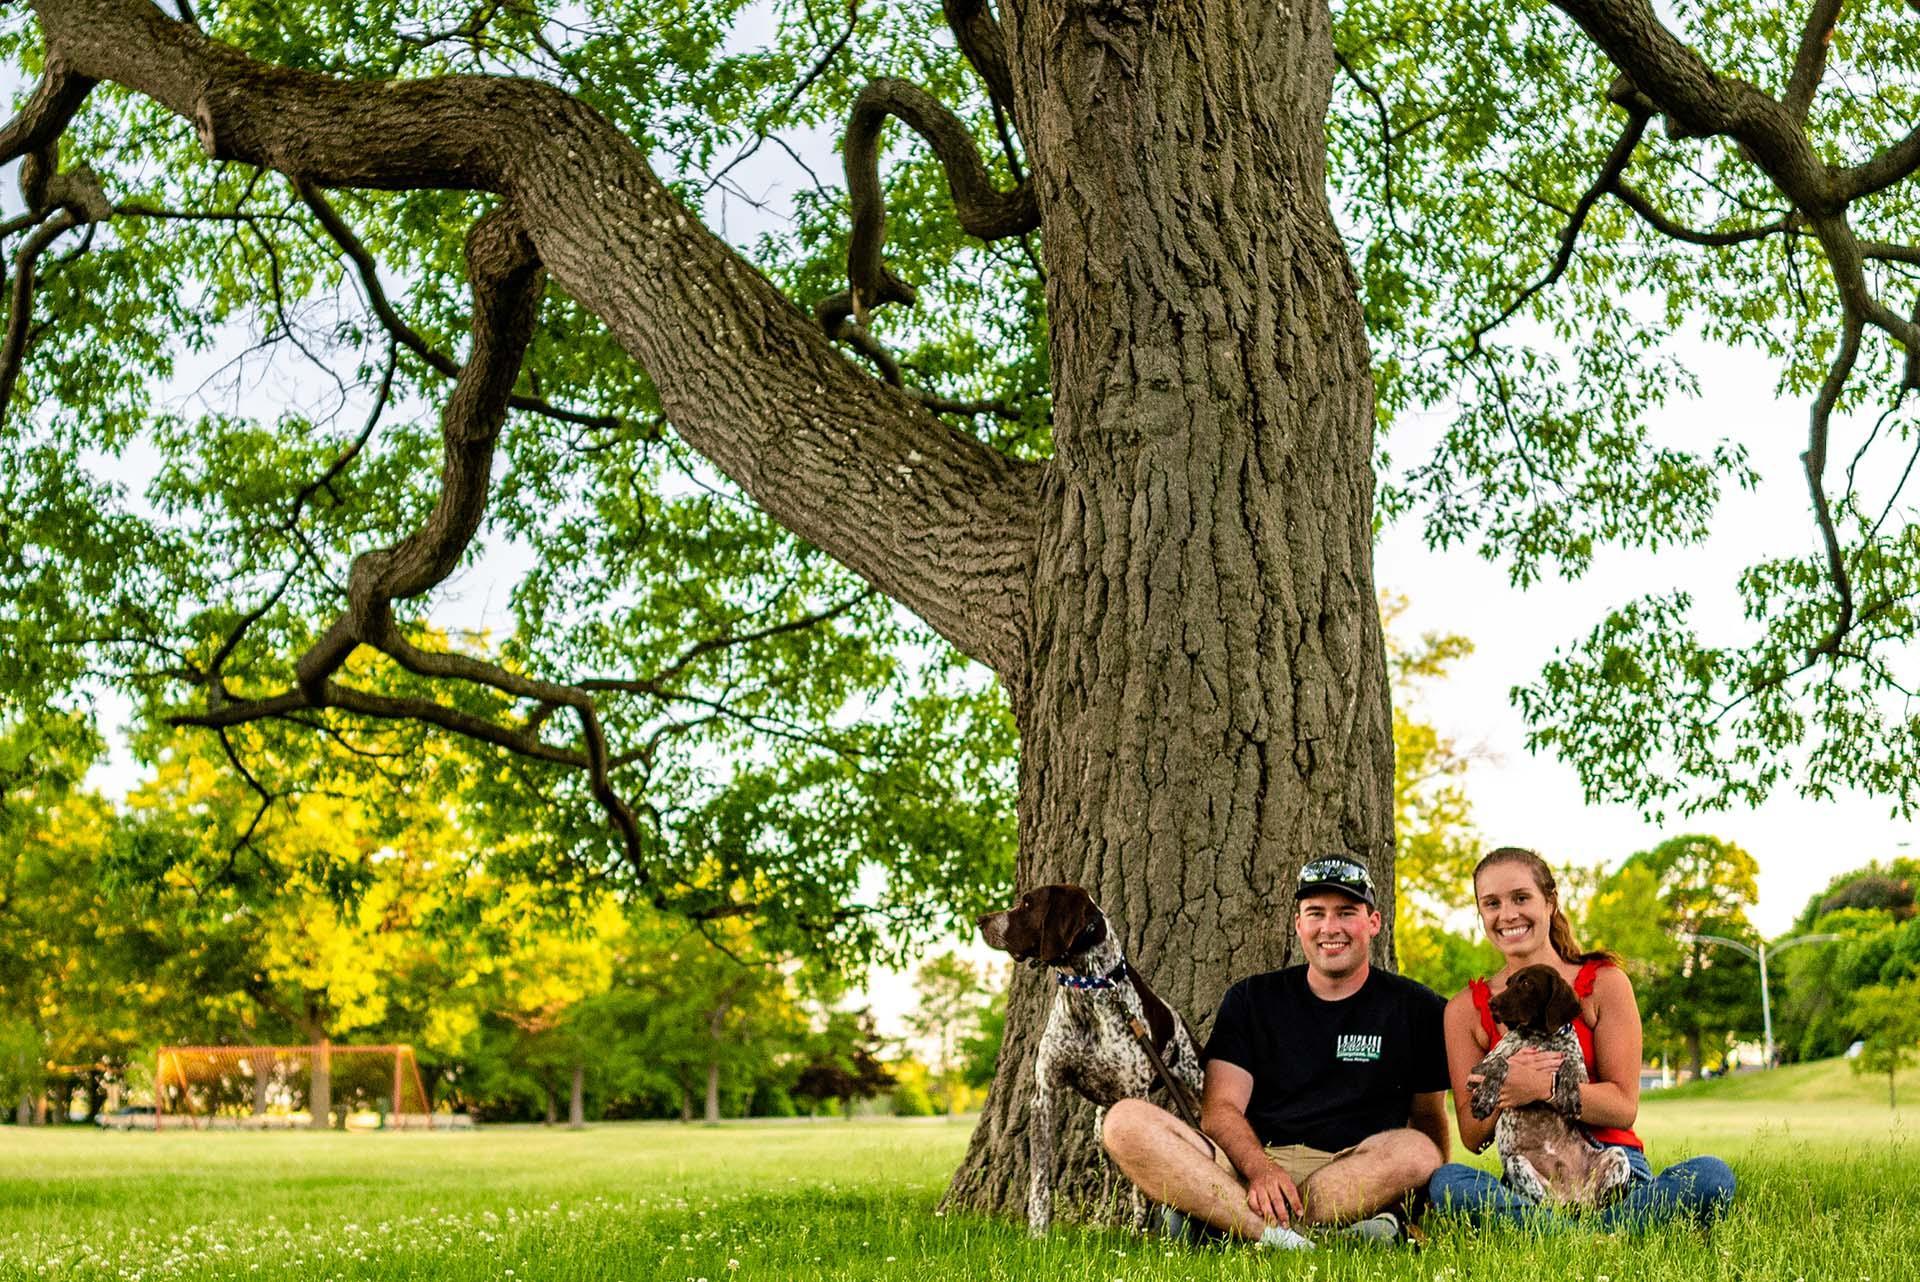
1357	1048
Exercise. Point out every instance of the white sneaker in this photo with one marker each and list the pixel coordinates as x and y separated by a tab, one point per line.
1279	1237
1378	1230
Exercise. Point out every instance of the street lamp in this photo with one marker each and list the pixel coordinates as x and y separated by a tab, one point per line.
1760	955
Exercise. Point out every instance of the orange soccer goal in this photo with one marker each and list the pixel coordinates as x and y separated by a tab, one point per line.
267	1087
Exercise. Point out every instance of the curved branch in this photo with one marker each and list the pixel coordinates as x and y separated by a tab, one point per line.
980	38
984	210
930	515
507	282
1810	63
1815	462
1666	226
48	112
75	199
13	348
1616	164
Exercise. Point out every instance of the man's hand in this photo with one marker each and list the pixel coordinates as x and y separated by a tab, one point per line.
1272	1195
1529	1077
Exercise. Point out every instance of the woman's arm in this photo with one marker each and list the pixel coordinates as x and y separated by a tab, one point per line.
1462	1024
1613	1097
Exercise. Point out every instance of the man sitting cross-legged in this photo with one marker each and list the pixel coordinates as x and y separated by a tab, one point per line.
1325	1096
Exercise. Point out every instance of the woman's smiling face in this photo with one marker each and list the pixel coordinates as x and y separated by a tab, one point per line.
1513	912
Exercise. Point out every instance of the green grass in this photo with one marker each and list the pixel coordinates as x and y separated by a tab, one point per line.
1830	1189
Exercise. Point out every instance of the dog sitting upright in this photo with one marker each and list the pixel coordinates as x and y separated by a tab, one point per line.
1088	1043
1545	1152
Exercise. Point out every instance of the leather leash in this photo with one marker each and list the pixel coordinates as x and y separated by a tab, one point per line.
1177	1091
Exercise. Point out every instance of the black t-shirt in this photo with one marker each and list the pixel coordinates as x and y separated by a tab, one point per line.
1329	1074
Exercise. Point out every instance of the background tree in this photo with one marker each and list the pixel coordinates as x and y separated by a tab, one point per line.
952	1002
1117	447
980	1051
1435	843
1696	992
1887	887
843	1061
1888	1016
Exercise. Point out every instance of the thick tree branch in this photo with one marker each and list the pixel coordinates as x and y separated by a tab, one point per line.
1698	102
978	34
984	210
47	112
1810	63
1880	171
929	515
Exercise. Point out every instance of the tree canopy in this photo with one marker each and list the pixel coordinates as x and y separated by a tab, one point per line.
222	379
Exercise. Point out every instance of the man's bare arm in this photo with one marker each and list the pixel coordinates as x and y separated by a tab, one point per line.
1223	1116
1429	1117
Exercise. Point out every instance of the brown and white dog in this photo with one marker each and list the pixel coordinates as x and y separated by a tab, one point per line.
1546	1153
1087	1043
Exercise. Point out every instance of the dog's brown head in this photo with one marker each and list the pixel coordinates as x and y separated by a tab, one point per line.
1046	926
1536	1000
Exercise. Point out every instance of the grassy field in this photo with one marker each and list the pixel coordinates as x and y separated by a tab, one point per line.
1830	1189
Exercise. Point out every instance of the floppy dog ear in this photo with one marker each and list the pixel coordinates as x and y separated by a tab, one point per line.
1069	910
1562	1006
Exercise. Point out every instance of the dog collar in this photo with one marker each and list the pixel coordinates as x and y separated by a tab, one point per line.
1092	983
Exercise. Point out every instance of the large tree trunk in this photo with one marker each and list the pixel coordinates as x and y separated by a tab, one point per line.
577	1099
1696	1054
1206	703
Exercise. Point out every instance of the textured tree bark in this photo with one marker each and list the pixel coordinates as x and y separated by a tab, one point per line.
1206	703
577	1100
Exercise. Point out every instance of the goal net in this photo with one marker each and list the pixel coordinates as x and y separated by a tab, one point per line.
265	1087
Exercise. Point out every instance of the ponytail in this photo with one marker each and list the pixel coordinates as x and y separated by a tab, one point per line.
1559	929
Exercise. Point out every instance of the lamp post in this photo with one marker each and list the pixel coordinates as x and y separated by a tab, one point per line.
1760	955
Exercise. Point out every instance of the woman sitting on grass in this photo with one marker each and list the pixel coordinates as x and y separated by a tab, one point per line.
1520	911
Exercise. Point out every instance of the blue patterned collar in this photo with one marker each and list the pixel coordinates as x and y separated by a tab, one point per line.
1092	983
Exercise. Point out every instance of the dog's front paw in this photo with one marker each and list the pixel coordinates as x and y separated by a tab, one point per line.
1486	1092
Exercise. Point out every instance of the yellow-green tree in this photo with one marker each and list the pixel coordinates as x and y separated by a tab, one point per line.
1435	844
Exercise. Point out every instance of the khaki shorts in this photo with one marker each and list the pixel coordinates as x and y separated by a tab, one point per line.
1298	1160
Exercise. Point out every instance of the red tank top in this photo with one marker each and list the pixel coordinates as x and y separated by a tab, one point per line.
1582	988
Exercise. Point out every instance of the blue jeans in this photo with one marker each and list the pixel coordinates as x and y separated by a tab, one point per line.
1699	1188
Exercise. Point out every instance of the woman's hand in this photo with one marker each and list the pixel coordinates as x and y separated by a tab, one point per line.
1529	1077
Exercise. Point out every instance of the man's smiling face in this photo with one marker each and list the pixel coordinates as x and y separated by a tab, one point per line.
1336	931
